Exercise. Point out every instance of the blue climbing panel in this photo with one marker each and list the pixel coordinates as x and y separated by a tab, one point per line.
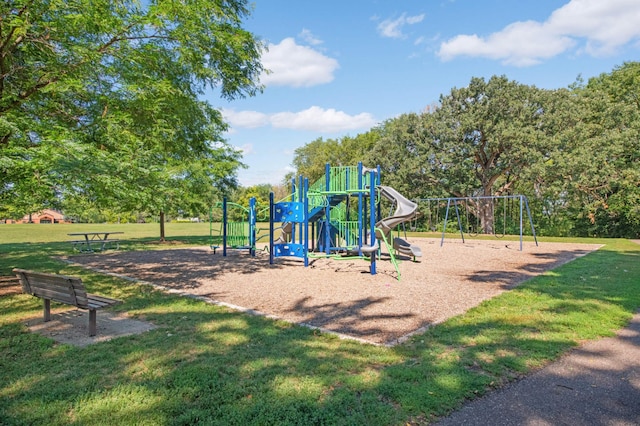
289	212
289	249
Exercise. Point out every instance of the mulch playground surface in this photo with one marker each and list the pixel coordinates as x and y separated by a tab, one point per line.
340	295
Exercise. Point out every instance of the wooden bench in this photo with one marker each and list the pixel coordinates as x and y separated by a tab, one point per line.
63	289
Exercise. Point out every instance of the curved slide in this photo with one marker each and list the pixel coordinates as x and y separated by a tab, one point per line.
406	210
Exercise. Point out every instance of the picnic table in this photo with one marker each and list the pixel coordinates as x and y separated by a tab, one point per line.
95	241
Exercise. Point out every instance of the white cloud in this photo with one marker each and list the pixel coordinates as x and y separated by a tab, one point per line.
392	28
297	66
246	149
606	25
603	26
415	19
321	120
308	37
315	119
520	44
247	119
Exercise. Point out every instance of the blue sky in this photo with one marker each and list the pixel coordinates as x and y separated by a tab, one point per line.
341	67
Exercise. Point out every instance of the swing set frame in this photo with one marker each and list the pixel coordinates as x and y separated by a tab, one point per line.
455	201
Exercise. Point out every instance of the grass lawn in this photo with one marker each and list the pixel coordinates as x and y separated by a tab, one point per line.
207	364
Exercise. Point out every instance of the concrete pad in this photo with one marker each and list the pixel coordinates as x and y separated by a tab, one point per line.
72	327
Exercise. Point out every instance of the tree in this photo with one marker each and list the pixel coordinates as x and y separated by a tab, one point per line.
311	159
599	167
402	151
100	98
478	141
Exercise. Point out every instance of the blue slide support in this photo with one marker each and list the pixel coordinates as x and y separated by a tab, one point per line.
305	225
360	208
372	218
327	211
252	226
271	227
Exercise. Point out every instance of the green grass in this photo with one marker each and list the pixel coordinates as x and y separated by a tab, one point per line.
206	364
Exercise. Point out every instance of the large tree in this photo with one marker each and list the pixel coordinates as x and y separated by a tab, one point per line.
311	159
479	141
100	98
598	169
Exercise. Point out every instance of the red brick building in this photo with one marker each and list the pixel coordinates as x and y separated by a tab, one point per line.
45	216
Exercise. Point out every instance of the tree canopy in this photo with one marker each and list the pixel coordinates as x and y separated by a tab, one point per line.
572	151
100	101
598	170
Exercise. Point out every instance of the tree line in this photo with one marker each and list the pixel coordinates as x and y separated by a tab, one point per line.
101	116
574	152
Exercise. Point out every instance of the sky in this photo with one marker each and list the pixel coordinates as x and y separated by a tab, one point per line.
340	68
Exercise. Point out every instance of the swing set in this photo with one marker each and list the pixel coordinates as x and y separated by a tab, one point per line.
488	215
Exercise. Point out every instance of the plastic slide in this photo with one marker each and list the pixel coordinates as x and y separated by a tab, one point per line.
406	248
285	235
406	210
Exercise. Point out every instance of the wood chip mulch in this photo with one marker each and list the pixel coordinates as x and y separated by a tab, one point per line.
341	296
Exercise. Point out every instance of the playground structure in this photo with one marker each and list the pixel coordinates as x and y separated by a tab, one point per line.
239	233
497	215
338	217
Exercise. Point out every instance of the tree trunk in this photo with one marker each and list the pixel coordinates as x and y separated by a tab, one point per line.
487	221
162	239
485	210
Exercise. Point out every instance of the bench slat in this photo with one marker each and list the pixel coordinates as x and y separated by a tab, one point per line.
100	299
99	302
53	294
58	288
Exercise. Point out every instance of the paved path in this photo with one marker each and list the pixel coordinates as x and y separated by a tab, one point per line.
595	384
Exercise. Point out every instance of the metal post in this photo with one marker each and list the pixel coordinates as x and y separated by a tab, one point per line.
521	223
459	223
360	208
533	230
293	200
327	210
271	214
372	220
301	198
305	222
224	227
327	177
252	226
446	216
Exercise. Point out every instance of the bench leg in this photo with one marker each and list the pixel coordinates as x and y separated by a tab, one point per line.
47	310
92	322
